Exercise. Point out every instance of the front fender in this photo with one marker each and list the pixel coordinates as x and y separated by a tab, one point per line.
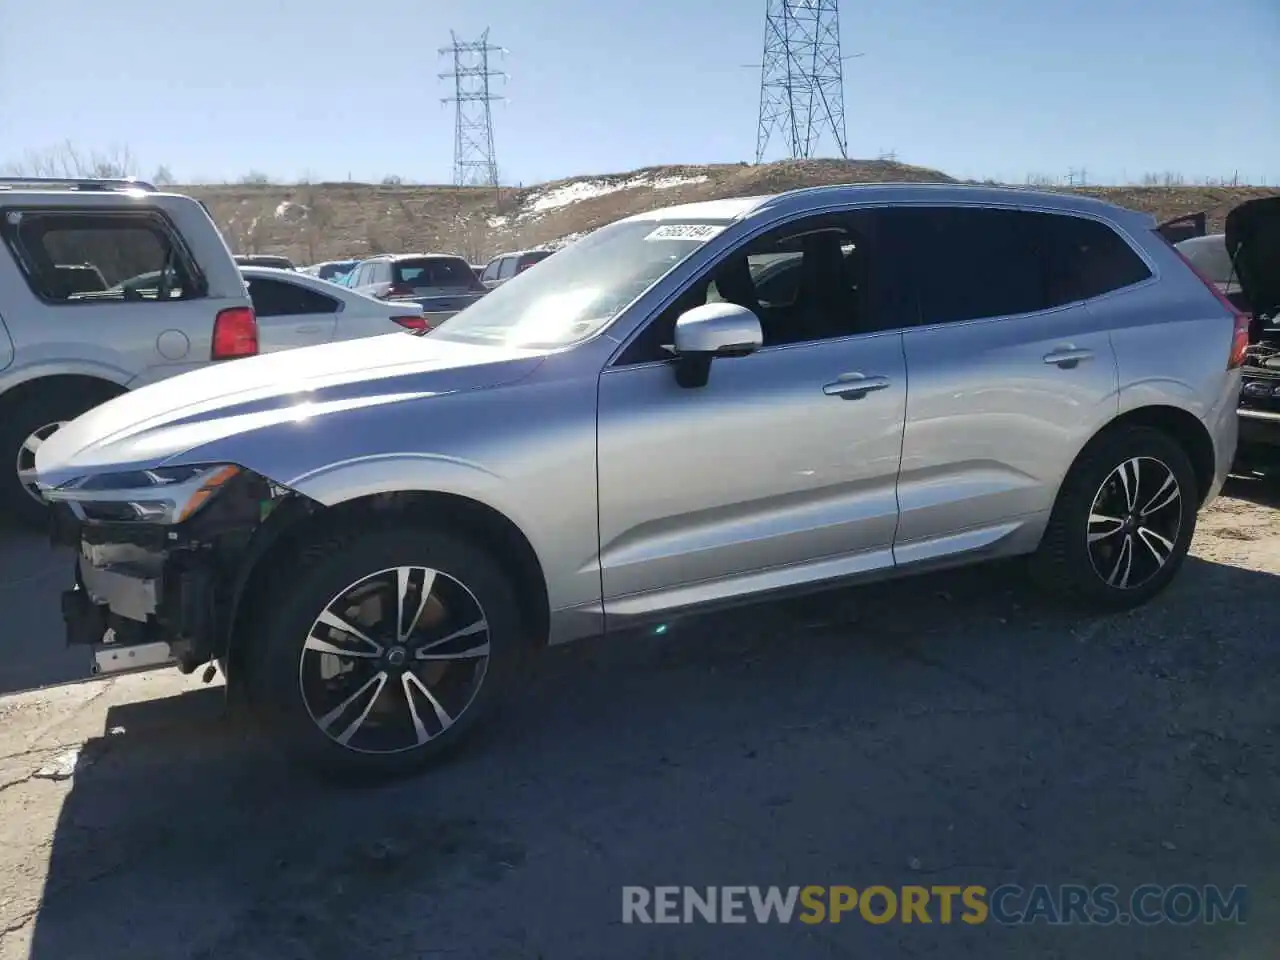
342	481
526	450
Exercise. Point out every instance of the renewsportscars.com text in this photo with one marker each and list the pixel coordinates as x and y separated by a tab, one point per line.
1007	905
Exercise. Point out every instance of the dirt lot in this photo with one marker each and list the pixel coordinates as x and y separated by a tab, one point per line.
944	730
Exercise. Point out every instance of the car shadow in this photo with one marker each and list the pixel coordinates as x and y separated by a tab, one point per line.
32	576
1258	486
947	729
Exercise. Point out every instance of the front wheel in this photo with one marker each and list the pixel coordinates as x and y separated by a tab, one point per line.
24	426
1123	521
382	649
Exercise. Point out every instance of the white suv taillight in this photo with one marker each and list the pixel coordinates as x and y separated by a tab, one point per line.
1240	335
235	334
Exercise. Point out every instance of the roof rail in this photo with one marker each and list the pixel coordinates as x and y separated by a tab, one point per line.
77	183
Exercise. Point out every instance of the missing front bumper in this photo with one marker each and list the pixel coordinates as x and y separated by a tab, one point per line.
150	594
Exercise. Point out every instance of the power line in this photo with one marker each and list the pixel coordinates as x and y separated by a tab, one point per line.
802	77
475	162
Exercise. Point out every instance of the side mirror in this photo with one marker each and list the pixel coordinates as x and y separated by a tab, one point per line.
713	330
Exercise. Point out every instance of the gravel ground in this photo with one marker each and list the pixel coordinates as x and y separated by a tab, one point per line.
945	730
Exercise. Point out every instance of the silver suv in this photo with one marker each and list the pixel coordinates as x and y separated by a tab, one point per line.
105	285
366	537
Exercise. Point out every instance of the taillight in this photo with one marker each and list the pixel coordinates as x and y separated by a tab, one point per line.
235	334
1240	334
416	325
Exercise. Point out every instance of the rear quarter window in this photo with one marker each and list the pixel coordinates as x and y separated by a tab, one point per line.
85	256
1084	258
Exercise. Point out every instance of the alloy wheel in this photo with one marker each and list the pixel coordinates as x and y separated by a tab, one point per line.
394	660
25	463
1134	522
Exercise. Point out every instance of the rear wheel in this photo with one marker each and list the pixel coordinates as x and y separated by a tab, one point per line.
380	651
25	424
1123	521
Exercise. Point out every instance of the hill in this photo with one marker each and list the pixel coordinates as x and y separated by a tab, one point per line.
326	221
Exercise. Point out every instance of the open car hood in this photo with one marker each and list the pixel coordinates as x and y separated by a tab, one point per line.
1253	239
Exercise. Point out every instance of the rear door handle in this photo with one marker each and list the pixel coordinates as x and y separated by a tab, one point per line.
1067	357
851	386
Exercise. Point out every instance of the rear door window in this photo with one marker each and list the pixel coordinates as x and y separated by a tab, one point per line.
968	263
1083	258
100	256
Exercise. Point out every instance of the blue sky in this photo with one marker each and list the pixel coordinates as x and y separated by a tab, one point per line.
328	89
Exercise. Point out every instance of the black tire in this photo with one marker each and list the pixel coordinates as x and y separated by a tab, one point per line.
19	419
279	670
1069	568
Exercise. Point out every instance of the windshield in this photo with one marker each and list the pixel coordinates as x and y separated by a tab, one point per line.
574	294
427	272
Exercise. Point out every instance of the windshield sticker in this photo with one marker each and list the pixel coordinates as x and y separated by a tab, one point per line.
686	231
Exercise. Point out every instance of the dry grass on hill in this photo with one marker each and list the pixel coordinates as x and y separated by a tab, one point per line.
312	222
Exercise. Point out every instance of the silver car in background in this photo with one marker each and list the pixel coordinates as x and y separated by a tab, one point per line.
105	286
441	284
367	537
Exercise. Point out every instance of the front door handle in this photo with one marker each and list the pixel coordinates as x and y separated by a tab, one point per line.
851	386
1067	357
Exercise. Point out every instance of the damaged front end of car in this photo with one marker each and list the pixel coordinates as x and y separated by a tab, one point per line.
163	557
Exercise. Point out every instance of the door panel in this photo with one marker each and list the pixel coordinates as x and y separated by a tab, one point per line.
759	469
297	330
997	411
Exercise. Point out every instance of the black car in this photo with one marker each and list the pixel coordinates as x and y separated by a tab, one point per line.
1243	263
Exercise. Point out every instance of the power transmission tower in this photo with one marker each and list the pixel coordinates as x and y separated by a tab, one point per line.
802	77
474	161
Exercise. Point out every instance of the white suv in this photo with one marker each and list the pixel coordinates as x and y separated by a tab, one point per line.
105	285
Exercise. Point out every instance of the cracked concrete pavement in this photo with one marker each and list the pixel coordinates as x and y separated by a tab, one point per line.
948	729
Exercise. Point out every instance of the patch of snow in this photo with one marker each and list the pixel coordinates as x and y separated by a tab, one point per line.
666	183
565	240
497	223
554	198
291	212
574	192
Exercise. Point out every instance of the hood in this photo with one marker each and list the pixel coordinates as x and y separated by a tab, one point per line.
156	423
1253	237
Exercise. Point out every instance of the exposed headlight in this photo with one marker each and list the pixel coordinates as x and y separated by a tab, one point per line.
163	495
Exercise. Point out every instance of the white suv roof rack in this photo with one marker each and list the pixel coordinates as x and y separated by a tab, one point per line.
88	184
